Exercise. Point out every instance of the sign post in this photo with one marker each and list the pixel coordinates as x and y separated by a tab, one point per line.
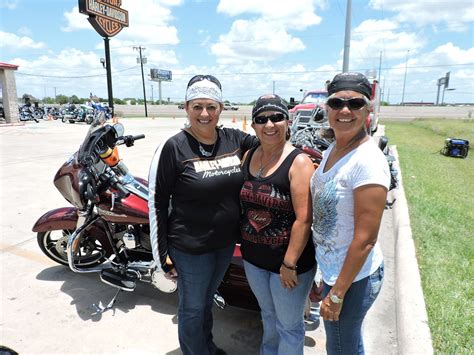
108	19
160	75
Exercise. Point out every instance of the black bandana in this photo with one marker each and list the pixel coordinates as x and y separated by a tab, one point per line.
350	81
270	102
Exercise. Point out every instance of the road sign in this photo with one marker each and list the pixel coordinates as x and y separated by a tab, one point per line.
160	75
105	16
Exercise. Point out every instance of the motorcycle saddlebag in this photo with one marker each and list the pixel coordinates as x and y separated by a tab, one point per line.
454	147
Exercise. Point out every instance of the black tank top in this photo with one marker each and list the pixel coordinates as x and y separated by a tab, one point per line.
267	218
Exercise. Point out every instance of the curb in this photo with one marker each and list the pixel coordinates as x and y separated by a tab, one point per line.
10	124
414	336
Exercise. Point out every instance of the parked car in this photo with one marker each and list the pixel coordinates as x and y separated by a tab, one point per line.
229	106
181	106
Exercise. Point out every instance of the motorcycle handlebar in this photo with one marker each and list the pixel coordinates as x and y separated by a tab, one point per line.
129	140
123	192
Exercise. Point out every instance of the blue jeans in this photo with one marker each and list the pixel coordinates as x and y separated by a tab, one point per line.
199	276
281	309
345	336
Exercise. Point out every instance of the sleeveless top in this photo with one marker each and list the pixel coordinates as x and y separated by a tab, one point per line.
267	218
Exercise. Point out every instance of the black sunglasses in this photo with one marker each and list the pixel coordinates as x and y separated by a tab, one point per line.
276	117
337	103
211	78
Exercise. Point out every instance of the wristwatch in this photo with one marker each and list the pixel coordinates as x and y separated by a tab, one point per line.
335	299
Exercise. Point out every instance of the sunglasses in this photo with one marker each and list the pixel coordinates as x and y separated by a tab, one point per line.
276	117
211	78
337	103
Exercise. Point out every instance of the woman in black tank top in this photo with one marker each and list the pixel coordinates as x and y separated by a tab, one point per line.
276	246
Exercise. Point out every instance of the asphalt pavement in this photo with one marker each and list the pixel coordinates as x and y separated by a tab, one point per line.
47	309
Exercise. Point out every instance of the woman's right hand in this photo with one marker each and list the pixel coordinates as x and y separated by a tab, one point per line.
172	274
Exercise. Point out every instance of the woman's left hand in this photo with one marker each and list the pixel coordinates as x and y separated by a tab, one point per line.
329	310
288	277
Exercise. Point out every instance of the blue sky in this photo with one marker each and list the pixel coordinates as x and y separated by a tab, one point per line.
250	45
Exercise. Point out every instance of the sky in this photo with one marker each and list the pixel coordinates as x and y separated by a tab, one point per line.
254	47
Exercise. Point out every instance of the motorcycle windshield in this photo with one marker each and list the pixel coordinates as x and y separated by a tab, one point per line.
91	146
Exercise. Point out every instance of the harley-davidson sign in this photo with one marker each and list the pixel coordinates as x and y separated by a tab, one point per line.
105	16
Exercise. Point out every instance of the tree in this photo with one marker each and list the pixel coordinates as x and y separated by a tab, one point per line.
62	99
48	100
74	99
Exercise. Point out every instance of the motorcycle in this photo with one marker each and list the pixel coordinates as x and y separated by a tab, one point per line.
73	114
26	113
107	230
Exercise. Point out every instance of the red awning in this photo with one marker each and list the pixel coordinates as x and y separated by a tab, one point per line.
8	66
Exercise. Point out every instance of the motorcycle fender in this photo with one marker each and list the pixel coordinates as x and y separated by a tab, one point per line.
57	219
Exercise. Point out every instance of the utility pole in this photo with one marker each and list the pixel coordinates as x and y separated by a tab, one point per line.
273	87
142	60
152	100
380	66
405	78
347	38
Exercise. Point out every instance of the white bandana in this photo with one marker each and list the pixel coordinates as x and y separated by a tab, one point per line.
204	89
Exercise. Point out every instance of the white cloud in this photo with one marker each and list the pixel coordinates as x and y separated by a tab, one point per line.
149	22
9	4
455	14
255	40
297	14
75	21
374	36
25	31
11	40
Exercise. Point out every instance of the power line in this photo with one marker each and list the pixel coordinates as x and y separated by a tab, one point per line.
252	73
71	77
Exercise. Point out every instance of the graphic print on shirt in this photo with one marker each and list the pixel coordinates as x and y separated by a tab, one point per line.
267	218
227	165
325	216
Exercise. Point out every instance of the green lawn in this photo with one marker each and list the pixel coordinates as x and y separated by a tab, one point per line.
440	194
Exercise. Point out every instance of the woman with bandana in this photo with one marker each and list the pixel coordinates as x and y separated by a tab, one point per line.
276	228
195	179
349	191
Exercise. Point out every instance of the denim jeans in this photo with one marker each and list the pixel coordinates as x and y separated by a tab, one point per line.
281	309
199	276
345	336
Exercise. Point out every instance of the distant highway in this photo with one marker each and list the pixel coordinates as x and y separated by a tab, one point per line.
387	113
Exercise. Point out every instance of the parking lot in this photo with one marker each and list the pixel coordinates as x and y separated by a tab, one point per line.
46	308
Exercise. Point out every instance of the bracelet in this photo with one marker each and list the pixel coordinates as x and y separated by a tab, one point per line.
294	268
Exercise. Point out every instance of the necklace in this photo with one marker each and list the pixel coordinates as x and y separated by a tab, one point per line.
259	173
358	138
203	151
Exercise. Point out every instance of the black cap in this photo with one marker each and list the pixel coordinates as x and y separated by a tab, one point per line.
350	81
270	102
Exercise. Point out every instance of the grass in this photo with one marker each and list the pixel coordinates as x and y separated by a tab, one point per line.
440	194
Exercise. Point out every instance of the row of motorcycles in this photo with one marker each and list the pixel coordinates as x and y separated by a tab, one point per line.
105	229
67	113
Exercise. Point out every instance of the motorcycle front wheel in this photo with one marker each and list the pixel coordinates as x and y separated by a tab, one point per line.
54	245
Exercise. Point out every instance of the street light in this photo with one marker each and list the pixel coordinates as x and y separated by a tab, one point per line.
102	60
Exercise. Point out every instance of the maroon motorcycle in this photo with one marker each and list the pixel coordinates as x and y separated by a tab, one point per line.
107	230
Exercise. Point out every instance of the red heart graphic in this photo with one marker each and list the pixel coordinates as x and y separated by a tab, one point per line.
259	219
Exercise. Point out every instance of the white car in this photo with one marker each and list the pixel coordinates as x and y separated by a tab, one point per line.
229	106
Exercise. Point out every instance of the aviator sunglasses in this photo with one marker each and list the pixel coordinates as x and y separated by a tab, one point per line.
211	78
276	117
337	103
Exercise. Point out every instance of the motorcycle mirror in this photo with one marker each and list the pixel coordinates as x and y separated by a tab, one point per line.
119	128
